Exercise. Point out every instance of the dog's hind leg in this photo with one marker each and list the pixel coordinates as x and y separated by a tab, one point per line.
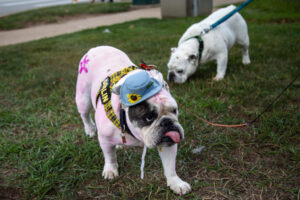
84	105
245	52
245	55
243	41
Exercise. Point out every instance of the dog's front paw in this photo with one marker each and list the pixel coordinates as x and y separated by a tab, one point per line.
178	186
90	130
110	171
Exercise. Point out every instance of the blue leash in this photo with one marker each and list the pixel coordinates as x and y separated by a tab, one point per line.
223	19
230	14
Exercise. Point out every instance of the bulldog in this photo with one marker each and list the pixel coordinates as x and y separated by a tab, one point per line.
132	107
198	47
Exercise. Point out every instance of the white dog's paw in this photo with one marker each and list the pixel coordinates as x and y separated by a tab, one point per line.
218	78
246	61
178	186
90	130
110	171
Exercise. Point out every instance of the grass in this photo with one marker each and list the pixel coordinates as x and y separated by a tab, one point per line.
276	12
57	13
44	153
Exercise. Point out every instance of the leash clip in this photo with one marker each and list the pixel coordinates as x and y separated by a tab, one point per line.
204	31
123	134
123	138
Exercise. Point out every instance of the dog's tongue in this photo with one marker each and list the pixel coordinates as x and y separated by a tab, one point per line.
174	135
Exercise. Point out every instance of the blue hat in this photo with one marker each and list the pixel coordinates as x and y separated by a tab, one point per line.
138	87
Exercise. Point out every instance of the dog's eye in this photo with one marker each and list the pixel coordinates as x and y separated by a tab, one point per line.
150	117
180	71
192	57
174	111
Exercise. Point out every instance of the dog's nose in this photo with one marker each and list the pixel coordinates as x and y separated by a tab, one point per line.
171	76
167	123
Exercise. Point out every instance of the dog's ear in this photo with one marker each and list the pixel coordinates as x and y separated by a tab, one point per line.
117	87
173	49
166	86
192	58
159	77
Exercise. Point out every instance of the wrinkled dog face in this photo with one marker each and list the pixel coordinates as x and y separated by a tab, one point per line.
157	121
181	65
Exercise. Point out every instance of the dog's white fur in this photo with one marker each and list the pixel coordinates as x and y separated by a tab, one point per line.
99	63
184	59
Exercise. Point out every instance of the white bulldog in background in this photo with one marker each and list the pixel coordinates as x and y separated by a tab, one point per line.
186	57
151	111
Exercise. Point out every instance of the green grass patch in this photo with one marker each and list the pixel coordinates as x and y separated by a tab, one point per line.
276	11
44	153
57	13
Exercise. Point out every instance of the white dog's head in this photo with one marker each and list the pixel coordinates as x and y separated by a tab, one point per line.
155	119
183	61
